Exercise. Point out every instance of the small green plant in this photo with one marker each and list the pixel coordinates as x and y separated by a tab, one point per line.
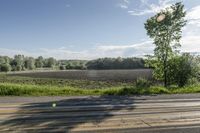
142	83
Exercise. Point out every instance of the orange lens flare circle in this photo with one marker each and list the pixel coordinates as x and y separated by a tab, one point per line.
161	17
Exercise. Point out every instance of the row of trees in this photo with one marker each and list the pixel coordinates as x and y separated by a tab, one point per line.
72	64
22	63
116	63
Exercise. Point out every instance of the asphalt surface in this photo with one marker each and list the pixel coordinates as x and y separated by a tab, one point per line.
90	114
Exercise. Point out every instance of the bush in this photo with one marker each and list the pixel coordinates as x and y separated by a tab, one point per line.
182	68
18	68
62	67
193	81
5	67
142	83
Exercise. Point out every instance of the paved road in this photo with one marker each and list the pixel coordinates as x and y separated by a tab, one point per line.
142	114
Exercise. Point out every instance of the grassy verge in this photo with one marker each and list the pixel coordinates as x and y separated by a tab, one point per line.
27	86
10	89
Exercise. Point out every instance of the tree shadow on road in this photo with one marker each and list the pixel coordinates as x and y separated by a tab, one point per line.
68	114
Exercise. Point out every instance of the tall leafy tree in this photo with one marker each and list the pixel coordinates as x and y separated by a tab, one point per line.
18	63
30	63
165	30
39	62
51	62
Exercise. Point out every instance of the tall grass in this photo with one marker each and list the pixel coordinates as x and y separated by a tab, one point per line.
9	89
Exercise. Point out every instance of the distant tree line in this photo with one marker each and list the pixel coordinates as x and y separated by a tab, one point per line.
23	63
116	63
72	64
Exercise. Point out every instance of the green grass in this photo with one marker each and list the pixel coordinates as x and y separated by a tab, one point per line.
9	89
23	86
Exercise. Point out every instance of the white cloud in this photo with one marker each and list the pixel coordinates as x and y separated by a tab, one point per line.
193	16
124	4
137	49
191	33
127	1
11	52
194	13
139	12
190	43
59	53
99	51
124	47
150	8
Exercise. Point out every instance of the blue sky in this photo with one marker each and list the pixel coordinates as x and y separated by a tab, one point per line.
86	29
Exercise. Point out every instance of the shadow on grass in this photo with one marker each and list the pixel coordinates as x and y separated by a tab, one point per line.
67	115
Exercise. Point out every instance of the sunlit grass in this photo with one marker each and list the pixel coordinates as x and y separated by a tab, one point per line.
27	86
10	89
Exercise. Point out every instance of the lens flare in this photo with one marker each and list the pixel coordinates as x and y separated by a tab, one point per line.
161	17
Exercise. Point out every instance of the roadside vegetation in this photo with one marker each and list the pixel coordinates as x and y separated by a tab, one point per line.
14	89
26	86
169	65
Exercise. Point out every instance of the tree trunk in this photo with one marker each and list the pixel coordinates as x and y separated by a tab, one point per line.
165	74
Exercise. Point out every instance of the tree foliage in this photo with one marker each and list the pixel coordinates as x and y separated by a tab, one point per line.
21	63
5	67
116	63
29	63
181	69
165	30
39	62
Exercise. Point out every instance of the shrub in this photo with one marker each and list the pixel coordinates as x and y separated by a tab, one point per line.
193	81
182	68
5	67
18	68
62	67
142	83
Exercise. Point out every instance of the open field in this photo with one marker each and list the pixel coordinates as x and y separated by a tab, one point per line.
103	75
29	86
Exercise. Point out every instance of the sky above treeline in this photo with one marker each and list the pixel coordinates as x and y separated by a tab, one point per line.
87	29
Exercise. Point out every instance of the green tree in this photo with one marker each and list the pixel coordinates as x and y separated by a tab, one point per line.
165	30
5	67
51	62
39	62
30	63
68	65
4	60
18	63
197	60
62	67
5	64
182	68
